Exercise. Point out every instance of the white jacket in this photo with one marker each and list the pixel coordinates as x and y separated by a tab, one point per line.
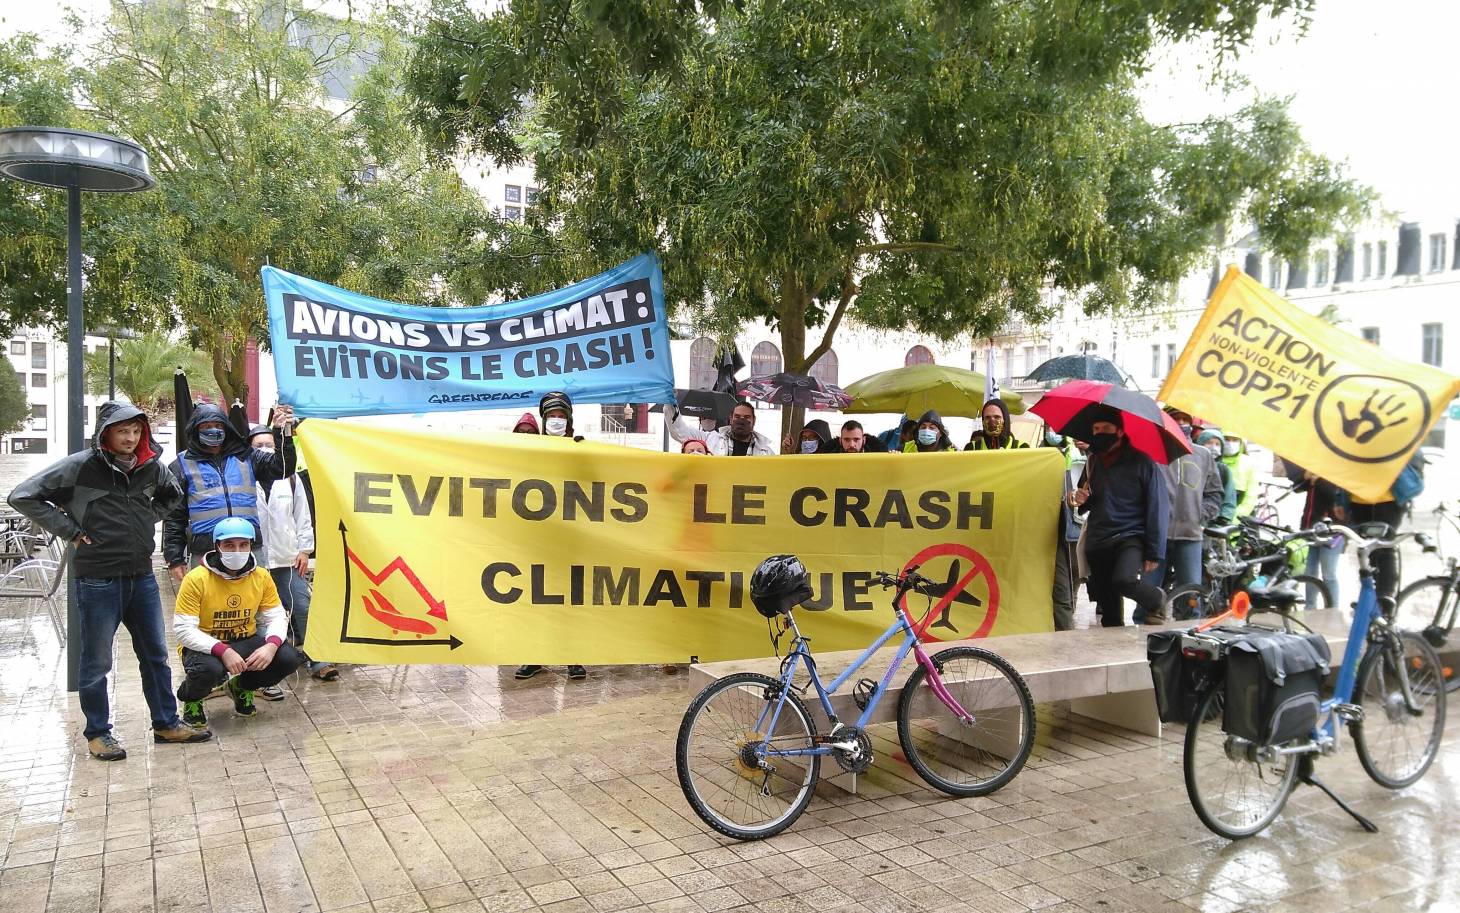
718	442
284	516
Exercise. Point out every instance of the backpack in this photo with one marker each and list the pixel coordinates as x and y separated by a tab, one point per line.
1411	481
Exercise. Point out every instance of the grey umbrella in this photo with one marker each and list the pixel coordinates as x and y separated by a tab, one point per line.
1079	367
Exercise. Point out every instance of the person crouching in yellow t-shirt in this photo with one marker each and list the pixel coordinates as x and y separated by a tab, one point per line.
221	606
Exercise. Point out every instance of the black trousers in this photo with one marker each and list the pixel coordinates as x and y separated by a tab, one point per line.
1384	560
203	671
1115	575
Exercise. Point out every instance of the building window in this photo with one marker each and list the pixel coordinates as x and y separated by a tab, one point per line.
920	355
1170	356
765	359
38	355
28	445
17	347
1437	252
1434	344
532	193
1275	274
1368	261
1320	268
1383	260
1028	361
512	193
1436	437
702	368
1155	361
37	380
513	213
827	368
1370	334
38	417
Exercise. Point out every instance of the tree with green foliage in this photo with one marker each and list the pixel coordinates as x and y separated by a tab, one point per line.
918	164
14	406
144	370
277	134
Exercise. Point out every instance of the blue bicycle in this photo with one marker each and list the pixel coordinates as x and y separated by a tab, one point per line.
749	753
1390	689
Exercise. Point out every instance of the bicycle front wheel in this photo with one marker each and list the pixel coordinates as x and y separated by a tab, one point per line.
1426	603
977	757
1234	791
729	762
1397	744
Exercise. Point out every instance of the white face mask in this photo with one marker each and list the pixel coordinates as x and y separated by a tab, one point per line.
809	446
556	426
1231	448
234	561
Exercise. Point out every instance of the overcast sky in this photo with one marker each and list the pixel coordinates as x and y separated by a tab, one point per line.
1371	83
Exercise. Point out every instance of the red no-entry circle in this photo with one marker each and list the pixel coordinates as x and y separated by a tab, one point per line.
978	567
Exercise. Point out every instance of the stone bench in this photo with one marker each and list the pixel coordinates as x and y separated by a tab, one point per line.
1102	672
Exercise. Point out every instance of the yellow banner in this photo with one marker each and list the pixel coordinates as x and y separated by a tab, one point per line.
1338	406
501	549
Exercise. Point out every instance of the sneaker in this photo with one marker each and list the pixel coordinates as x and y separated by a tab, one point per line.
271	693
1153	620
105	747
243	704
524	672
325	672
194	715
577	672
181	734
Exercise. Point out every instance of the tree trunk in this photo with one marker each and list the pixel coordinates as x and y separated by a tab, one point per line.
792	321
229	372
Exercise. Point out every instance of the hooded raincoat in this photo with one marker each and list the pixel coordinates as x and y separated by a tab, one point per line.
1006	439
944	443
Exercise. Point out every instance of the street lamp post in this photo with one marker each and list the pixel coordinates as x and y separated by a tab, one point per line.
73	160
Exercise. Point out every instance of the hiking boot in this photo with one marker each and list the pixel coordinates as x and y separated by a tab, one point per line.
242	700
194	715
577	672
271	693
181	734
1154	620
526	672
105	747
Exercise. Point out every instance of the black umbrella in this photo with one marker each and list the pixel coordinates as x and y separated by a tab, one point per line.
728	364
1078	367
1072	408
182	401
787	389
705	404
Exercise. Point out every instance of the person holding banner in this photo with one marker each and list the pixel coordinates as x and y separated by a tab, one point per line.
739	438
1126	531
931	436
995	434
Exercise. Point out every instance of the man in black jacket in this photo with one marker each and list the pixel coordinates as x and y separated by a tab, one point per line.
1125	534
106	502
220	475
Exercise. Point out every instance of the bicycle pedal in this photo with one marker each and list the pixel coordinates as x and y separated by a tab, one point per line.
863	692
1435	636
1353	713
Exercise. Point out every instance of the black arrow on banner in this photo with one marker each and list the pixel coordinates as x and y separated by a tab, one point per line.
345	636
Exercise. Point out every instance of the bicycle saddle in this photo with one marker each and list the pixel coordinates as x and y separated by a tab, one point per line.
1282	594
1222	532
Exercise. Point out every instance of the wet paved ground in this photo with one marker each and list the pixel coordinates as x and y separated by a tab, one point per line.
395	790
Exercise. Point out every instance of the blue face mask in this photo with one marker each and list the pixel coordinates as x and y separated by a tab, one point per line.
927	436
211	437
809	446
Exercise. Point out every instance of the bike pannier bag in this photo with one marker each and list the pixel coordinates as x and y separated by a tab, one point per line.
1274	680
1179	680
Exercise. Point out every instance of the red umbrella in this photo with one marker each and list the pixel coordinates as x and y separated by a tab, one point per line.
1071	408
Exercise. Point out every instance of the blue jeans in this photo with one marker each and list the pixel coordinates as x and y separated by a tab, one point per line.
294	594
1323	560
1183	560
104	604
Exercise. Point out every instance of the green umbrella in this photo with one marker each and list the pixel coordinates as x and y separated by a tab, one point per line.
917	388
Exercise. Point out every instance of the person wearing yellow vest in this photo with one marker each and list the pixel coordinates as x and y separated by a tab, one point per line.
230	625
995	434
1234	454
930	437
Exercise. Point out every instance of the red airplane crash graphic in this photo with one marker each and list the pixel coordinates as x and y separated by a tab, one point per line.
384	611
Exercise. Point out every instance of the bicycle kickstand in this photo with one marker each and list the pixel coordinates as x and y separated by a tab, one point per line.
1305	774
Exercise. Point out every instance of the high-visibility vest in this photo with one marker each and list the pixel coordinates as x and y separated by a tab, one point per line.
213	495
981	443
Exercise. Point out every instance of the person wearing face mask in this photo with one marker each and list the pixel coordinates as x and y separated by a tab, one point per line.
995	434
1211	438
931	436
1195	490
1234	455
220	475
1125	533
230	625
288	540
814	436
526	425
739	438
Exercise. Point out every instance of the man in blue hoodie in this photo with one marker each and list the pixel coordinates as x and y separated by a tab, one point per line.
1125	534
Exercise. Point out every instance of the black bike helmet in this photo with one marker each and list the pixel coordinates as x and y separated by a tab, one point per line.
779	585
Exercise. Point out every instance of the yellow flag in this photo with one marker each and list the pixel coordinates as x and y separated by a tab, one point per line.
501	549
1334	404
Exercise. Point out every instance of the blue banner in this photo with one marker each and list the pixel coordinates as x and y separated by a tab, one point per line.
602	340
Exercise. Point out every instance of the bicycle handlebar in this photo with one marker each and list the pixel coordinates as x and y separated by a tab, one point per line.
909	579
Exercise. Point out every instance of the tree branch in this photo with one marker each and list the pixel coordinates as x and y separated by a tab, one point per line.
905	247
849	291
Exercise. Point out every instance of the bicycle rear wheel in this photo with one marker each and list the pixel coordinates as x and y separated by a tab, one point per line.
1188	601
1320	586
730	785
975	758
1397	745
1234	792
1428	603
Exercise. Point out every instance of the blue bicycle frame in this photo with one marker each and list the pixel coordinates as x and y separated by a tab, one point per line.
801	652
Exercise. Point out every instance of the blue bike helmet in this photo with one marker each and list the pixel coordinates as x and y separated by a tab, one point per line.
233	528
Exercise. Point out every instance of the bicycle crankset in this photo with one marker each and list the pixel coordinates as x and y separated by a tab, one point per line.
852	749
